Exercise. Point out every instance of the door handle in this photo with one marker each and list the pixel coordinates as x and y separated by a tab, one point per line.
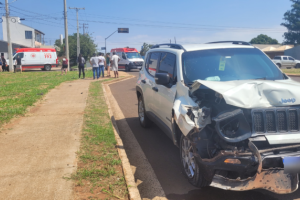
155	89
143	81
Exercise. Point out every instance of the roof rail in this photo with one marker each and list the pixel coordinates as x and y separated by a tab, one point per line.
173	46
233	42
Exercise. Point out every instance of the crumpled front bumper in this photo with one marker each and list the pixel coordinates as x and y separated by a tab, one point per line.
273	180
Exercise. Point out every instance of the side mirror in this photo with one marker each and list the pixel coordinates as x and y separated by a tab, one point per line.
162	79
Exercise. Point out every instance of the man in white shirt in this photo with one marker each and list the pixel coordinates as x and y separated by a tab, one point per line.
94	61
114	64
101	64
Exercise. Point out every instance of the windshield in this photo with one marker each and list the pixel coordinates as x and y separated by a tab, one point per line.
133	55
228	64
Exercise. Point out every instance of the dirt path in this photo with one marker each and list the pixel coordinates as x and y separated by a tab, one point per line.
36	151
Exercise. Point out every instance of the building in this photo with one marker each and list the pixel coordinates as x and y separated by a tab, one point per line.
4	48
22	34
273	50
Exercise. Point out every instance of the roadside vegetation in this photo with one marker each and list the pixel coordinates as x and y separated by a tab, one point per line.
18	91
99	174
291	71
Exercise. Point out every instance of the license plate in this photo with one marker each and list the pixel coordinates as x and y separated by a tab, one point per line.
291	164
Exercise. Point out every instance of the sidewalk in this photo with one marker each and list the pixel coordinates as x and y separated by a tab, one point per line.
36	151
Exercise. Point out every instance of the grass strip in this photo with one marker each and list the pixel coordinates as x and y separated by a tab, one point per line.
18	91
99	174
292	71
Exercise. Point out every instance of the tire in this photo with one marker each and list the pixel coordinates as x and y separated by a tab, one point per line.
189	165
127	68
279	65
297	66
144	120
47	67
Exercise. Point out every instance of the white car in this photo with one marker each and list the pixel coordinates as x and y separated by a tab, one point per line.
234	115
286	61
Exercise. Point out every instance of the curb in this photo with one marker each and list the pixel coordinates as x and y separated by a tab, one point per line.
133	191
293	75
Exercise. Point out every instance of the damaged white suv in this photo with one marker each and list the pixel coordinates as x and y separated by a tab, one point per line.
234	115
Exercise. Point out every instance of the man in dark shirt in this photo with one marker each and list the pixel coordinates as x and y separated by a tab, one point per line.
4	64
19	64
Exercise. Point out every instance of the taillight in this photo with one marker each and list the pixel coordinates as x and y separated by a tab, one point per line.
56	60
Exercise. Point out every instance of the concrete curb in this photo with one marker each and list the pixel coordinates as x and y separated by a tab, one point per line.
133	191
293	75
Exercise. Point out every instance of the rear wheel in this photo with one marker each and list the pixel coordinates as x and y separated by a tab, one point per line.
144	120
189	164
279	65
47	67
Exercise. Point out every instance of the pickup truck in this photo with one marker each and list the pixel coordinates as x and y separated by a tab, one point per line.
286	62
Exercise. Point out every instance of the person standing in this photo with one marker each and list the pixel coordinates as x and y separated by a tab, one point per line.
81	62
18	64
101	64
108	64
94	61
3	63
114	64
64	66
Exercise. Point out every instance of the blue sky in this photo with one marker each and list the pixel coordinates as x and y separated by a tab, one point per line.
157	21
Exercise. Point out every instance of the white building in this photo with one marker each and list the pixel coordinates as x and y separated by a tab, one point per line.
22	34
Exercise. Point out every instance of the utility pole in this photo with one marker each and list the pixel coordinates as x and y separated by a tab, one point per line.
78	40
84	25
66	33
9	45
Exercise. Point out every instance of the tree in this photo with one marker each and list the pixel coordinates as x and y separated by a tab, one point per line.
263	39
292	23
146	47
87	46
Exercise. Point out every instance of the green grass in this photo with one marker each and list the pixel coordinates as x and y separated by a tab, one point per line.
18	91
291	71
99	167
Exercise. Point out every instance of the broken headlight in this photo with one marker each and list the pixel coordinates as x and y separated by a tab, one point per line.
232	126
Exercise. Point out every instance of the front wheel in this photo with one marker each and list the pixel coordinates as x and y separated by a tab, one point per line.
47	67
127	68
297	66
144	120
189	165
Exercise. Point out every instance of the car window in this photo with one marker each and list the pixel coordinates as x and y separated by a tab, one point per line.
277	58
167	64
284	58
227	65
123	56
290	58
152	63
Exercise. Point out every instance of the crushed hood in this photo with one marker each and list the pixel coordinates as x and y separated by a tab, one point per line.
255	93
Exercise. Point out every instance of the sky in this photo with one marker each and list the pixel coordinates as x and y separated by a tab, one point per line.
156	21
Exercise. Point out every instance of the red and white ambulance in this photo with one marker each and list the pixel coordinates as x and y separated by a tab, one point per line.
129	58
43	58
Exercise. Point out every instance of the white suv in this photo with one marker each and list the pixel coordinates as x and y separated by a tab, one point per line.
234	115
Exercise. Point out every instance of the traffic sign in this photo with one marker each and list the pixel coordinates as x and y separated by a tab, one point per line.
123	30
103	48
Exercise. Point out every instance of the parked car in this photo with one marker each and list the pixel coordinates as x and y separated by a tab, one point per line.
32	58
129	58
231	111
286	61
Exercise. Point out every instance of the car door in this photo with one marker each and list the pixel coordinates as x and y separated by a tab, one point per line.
292	62
285	61
151	71
166	94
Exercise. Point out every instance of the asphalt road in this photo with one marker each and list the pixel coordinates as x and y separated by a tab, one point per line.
164	156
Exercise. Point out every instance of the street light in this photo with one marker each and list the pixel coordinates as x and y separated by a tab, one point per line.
120	30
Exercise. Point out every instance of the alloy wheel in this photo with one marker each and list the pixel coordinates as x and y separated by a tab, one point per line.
187	158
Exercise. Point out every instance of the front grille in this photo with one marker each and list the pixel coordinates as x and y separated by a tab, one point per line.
275	120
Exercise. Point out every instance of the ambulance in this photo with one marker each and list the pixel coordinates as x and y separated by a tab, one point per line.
129	58
43	58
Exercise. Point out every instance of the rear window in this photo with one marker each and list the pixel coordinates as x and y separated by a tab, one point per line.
152	63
